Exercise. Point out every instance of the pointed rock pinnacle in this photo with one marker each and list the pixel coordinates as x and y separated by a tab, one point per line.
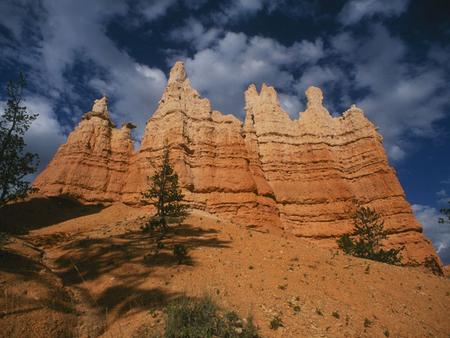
177	73
100	107
314	97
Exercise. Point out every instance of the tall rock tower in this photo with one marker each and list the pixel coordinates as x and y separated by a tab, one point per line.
91	165
304	176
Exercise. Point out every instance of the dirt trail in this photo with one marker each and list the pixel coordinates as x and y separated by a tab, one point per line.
103	259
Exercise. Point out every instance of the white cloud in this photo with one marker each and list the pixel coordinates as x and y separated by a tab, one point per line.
195	32
396	153
402	98
438	233
45	133
223	71
443	198
154	9
71	32
355	10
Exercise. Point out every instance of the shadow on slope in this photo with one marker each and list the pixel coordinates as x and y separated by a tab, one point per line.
33	302
38	212
127	262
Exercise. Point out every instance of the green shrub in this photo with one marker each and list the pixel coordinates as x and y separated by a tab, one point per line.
180	252
276	322
367	323
4	239
365	240
432	264
201	318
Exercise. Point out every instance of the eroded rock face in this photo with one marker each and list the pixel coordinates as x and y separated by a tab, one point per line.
321	167
92	163
303	175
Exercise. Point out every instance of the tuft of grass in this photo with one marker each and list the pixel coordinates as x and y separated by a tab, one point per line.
336	314
319	311
367	323
276	322
199	318
386	333
282	286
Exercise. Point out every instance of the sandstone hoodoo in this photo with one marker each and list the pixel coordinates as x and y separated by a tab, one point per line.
301	175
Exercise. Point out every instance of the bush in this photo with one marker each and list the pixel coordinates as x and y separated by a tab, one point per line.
180	252
276	322
4	239
201	318
365	240
432	264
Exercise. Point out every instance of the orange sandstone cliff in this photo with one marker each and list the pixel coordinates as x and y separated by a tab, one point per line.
300	175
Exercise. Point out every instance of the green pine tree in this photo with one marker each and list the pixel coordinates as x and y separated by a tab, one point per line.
365	239
165	194
15	163
445	212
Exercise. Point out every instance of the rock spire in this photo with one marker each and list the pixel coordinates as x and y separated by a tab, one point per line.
301	175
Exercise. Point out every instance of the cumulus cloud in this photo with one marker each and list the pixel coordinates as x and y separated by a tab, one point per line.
402	98
65	41
223	71
438	233
45	133
233	11
194	31
372	69
355	10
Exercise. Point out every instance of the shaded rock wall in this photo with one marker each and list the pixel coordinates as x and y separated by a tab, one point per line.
302	175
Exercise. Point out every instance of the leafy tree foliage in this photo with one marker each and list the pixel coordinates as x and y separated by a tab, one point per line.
15	163
445	212
165	194
365	240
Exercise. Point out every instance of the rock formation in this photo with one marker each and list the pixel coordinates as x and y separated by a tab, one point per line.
92	163
301	175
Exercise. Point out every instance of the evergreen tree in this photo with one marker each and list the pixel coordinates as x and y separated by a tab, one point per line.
165	193
445	212
365	239
15	164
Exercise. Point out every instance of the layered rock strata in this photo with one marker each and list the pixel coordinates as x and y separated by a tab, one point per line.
303	175
92	163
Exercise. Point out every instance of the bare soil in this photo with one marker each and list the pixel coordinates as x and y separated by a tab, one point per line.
77	271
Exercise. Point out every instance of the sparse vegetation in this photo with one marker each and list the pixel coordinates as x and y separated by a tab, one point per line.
445	212
4	239
319	312
386	333
165	194
336	314
367	323
180	252
201	318
365	240
276	322
15	163
432	264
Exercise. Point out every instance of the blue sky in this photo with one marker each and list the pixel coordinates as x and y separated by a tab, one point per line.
388	57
